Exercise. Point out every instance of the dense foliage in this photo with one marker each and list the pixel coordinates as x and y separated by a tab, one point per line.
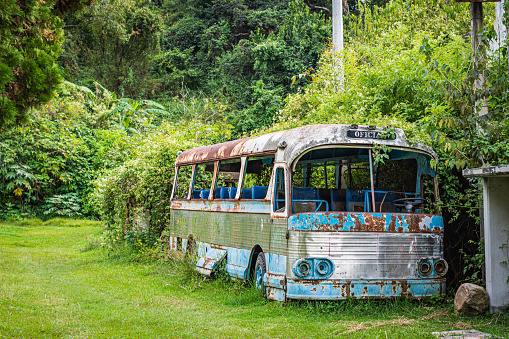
240	53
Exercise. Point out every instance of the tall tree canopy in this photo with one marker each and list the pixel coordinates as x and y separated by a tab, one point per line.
30	39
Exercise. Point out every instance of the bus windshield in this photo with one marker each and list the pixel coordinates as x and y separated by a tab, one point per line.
346	179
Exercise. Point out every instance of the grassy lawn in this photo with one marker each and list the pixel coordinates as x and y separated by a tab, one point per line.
56	281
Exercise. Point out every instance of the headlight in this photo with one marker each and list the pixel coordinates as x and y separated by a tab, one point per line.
303	268
440	267
425	267
323	267
313	268
432	267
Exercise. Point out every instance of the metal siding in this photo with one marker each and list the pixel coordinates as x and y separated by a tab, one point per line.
236	230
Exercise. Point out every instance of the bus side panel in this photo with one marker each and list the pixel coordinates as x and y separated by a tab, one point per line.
238	232
275	279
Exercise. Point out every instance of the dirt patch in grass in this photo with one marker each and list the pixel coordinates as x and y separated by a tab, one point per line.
402	321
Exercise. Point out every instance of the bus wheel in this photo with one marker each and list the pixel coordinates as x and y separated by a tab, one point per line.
259	272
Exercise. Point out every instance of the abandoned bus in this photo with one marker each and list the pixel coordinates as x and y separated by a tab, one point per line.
316	212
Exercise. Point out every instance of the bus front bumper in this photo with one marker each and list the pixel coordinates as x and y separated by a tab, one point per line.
361	289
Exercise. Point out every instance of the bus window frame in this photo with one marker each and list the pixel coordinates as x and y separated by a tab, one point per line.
175	181
273	191
214	181
240	185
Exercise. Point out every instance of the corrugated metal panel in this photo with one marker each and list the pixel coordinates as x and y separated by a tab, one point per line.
239	230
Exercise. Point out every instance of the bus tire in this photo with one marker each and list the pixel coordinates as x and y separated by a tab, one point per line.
259	272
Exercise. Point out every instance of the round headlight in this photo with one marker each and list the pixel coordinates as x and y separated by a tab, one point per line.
303	268
440	267
323	267
425	267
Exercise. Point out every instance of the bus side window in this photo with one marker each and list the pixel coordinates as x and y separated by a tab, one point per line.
227	179
183	181
257	177
203	181
279	191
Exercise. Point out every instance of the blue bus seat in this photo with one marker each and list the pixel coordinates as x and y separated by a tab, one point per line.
221	193
307	199
197	194
354	198
232	191
324	194
304	193
247	193
338	199
259	192
225	193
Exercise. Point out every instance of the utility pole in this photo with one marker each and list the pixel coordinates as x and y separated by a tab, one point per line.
337	39
477	24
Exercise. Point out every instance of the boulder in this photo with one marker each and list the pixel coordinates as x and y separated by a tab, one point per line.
471	299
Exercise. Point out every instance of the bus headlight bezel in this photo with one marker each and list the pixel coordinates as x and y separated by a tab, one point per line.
313	268
432	267
440	267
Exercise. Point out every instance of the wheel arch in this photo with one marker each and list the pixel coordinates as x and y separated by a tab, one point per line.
257	249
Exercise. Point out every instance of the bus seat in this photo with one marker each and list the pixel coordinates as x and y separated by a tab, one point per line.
325	195
221	193
232	192
205	194
259	192
305	193
354	200
197	194
247	193
225	193
307	199
338	199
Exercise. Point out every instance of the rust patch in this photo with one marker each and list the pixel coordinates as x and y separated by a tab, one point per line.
225	150
335	222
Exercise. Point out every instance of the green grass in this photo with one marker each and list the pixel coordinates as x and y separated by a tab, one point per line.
58	282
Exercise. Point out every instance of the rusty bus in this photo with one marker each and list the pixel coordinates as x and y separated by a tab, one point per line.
317	212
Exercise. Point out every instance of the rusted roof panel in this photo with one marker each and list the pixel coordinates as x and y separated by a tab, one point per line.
298	140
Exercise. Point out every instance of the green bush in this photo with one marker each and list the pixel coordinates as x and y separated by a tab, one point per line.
133	199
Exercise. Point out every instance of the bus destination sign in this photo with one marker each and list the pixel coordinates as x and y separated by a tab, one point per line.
356	134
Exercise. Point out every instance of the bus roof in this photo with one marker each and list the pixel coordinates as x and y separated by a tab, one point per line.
296	141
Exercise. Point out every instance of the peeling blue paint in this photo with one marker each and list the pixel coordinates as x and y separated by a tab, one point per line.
276	263
358	289
237	261
361	221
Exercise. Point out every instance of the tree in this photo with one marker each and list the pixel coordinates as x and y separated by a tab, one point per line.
30	39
